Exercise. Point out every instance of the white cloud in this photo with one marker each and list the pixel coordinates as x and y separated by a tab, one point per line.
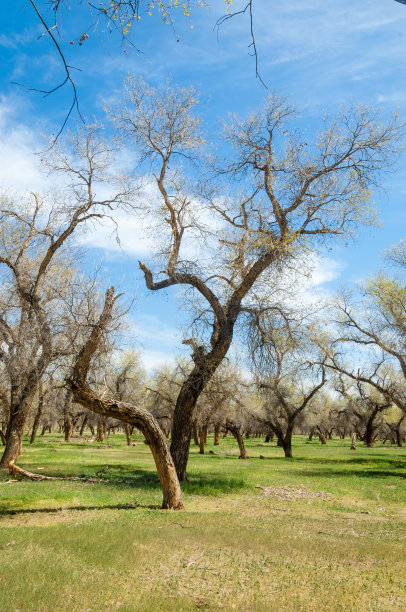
154	359
326	270
20	167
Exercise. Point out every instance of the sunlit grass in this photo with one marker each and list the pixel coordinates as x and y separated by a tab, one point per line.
106	546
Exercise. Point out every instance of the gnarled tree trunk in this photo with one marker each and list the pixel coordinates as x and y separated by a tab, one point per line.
235	430
133	415
19	414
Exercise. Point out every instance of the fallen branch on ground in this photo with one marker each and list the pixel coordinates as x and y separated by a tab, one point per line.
17	471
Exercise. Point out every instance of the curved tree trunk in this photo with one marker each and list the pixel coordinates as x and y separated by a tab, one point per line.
353	441
133	415
204	367
240	440
370	429
82	427
321	435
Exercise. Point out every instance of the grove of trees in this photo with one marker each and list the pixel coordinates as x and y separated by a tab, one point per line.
235	220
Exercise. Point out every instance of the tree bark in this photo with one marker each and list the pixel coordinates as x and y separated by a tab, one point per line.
67	419
38	414
321	435
101	429
195	435
15	431
370	428
287	442
353	441
128	433
240	440
203	434
204	367
82	428
217	434
138	417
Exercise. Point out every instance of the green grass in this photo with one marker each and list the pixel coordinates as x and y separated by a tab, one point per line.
107	546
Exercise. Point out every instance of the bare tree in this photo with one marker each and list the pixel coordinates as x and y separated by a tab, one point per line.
136	416
280	196
34	264
366	405
281	347
375	329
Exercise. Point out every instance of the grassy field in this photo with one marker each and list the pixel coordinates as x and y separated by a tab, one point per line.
328	533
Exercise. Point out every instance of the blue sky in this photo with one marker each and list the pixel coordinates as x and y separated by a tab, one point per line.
321	54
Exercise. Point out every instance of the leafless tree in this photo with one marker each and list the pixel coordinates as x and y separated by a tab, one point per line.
281	347
280	196
134	415
35	235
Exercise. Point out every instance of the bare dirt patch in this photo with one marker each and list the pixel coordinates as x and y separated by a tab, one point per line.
293	493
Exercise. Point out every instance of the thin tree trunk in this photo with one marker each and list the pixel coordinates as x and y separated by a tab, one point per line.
321	435
101	428
82	428
67	419
203	434
38	414
128	433
3	438
240	440
353	441
195	435
217	434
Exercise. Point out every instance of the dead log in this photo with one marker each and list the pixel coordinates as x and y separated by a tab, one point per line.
15	471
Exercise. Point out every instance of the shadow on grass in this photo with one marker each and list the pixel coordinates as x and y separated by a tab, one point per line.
134	506
208	484
212	485
347	473
380	460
